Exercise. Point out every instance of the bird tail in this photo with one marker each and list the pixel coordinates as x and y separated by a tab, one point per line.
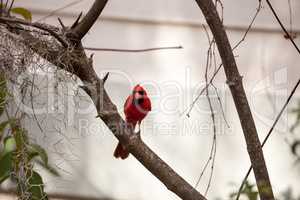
121	152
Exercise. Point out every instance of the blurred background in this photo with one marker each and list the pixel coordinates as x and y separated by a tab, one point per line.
81	147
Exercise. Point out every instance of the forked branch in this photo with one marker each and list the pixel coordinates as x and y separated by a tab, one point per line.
89	19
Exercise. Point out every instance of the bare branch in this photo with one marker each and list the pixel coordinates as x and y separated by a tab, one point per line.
10	7
1	8
234	80
105	77
202	91
76	21
61	24
268	135
292	34
89	19
250	26
214	143
59	9
213	147
282	26
6	3
132	50
220	103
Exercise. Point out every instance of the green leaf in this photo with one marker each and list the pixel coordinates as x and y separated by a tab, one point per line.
26	14
37	150
9	145
36	186
6	166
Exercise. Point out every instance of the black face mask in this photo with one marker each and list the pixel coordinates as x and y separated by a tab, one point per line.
138	101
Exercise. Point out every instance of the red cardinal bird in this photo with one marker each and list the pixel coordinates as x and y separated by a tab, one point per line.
136	107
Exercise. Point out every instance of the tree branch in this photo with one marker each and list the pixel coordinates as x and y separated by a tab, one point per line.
133	50
282	26
75	61
234	81
89	19
268	135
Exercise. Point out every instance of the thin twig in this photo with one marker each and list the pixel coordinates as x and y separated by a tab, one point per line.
282	26
202	91
133	50
76	21
293	34
215	68
220	103
35	25
214	147
89	19
24	89
268	135
32	106
249	27
1	9
206	89
6	3
211	158
234	81
204	168
214	143
105	77
61	23
59	9
290	15
222	9
12	3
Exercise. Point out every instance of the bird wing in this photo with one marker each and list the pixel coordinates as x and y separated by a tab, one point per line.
127	103
147	104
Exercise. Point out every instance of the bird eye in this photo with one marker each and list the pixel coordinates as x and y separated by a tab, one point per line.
141	92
